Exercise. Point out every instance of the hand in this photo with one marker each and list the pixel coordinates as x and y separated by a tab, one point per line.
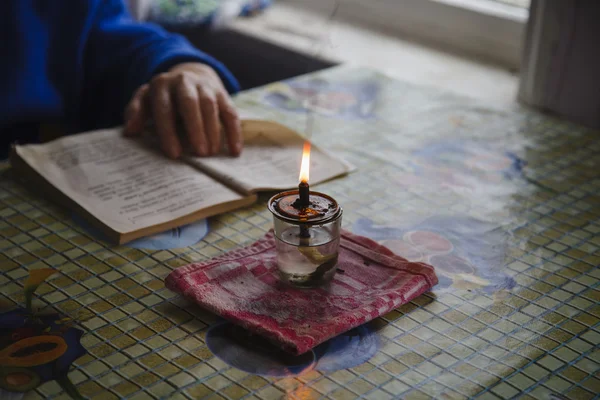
194	93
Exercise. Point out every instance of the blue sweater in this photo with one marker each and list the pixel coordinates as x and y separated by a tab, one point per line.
77	62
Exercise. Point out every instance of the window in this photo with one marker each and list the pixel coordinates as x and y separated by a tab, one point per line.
488	29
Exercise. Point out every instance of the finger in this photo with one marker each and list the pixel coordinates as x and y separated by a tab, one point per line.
210	117
189	108
136	112
231	122
164	116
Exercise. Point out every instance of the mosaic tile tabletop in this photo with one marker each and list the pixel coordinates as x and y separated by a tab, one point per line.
504	203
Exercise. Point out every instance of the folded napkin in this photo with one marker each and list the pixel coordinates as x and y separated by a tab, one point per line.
243	287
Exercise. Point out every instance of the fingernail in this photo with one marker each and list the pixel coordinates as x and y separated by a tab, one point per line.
237	148
203	151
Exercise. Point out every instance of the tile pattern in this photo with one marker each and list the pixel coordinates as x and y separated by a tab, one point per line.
539	338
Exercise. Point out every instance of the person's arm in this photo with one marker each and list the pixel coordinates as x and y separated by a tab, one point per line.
161	76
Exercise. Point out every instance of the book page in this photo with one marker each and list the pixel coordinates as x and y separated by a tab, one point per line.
122	182
270	160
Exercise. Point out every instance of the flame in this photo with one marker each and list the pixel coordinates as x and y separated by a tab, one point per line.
305	166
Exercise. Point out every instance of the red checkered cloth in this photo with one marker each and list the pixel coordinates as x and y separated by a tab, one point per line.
243	287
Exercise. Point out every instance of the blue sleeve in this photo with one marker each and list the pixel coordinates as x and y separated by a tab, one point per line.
125	53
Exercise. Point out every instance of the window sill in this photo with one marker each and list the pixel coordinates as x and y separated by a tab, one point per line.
307	32
485	29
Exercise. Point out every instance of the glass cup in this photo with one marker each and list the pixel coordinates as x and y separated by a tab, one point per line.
307	246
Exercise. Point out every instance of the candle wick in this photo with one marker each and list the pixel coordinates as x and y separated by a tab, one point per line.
303	200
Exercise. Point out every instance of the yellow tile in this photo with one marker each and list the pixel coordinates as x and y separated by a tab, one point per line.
162	390
565	354
234	391
459	351
469	388
108	332
130	370
573	327
96	368
392	348
182	379
303	393
254	382
49	388
286	384
105	291
396	387
174	334
84	360
170	352
202	371
310	376
126	388
186	361
449	379
377	377
432	389
551	363
198	391
464	369
394	367
116	359
410	359
270	393
122	341
390	331
217	364
587	319
190	344
545	343
557	384
472	325
412	378
379	394
579	393
101	396
324	385
142	396
150	300
203	353
454	316
530	352
444	360
89	388
592	384
166	370
515	361
131	308
152	360
138	291
92	283
360	386
155	284
142	333
343	376
137	350
490	335
588	365
487	396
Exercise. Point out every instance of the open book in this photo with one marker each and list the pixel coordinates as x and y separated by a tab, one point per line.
128	189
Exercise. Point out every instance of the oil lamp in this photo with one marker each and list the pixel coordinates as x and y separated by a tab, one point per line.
307	228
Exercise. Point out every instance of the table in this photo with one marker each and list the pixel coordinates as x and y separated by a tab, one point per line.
505	203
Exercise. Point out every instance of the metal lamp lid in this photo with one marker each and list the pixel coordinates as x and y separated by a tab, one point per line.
322	208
